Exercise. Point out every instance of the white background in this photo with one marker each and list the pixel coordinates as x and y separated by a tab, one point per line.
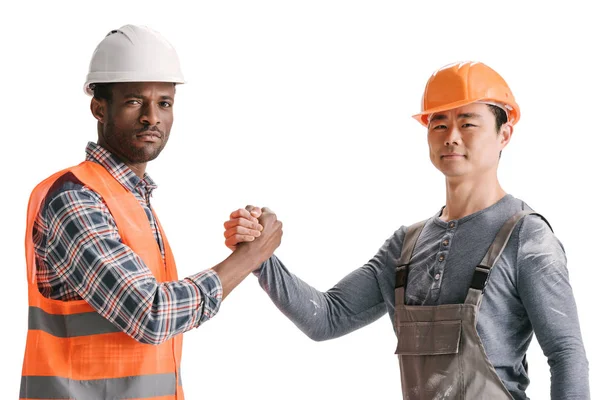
305	107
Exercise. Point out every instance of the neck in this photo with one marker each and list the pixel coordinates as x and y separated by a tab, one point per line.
465	196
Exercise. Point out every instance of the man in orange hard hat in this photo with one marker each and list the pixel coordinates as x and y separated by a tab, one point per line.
106	308
467	287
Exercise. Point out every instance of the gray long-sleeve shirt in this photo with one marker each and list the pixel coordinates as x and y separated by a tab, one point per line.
528	291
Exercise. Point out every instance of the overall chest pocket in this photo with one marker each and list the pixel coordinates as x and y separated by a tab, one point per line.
428	338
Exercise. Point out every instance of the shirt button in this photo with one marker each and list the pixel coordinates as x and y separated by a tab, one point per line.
437	277
452	224
441	258
445	242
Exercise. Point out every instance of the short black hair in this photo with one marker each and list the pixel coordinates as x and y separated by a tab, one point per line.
501	118
102	91
500	114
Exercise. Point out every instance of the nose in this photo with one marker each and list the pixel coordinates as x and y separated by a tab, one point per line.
150	115
453	136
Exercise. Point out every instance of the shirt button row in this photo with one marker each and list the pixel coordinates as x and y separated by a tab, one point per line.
446	242
437	277
452	224
442	258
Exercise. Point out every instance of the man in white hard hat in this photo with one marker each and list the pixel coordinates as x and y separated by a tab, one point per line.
466	288
106	308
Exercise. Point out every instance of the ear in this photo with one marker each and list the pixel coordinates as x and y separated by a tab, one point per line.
505	134
98	108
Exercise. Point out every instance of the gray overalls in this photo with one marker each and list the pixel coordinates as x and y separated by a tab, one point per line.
441	355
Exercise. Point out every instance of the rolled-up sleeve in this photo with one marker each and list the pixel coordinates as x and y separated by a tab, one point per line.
85	250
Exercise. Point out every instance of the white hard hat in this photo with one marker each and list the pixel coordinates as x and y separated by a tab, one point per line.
133	54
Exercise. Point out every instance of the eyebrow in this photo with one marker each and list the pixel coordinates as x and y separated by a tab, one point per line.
439	117
134	95
139	96
469	115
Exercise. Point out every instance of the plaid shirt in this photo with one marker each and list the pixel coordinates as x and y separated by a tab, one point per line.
79	255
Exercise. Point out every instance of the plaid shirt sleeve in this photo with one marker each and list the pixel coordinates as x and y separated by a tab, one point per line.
85	250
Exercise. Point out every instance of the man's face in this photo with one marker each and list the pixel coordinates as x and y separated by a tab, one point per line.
137	120
464	141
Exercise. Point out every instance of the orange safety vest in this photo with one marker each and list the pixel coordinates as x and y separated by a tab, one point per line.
72	352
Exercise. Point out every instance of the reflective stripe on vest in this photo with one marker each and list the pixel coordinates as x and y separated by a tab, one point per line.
72	352
83	324
53	387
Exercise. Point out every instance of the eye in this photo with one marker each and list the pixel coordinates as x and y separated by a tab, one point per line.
133	102
438	127
468	125
165	104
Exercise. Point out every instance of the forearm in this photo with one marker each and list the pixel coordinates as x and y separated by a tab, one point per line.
148	311
354	302
235	268
561	341
569	374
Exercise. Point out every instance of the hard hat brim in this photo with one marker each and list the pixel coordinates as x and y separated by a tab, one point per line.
106	78
423	117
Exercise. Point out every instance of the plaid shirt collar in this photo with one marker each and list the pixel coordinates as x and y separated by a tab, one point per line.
120	171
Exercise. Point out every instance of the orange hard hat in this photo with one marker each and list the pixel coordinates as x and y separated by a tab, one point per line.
459	84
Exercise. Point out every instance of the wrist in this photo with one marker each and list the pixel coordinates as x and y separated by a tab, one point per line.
249	258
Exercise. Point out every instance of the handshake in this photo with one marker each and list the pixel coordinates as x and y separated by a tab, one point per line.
256	229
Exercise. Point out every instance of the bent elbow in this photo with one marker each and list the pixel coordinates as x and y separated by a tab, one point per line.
152	336
317	335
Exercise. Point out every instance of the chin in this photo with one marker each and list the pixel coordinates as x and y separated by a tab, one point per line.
145	155
452	172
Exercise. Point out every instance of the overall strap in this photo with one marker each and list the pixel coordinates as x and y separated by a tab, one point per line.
408	246
483	270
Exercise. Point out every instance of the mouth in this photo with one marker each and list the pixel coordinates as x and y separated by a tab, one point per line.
451	156
149	136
